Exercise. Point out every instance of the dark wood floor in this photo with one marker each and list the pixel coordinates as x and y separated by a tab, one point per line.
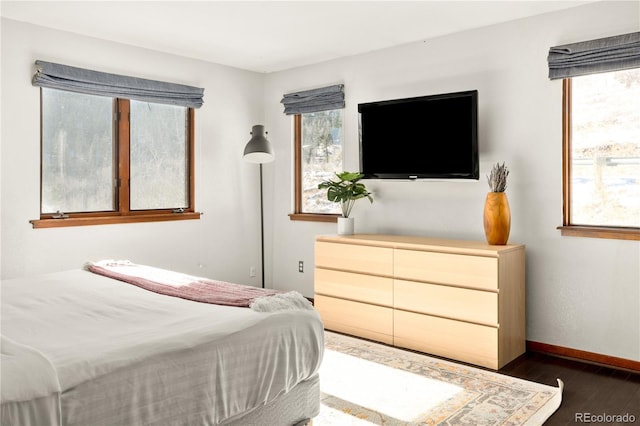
588	388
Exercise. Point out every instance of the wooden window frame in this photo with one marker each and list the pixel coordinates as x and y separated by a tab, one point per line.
298	214
567	228
122	212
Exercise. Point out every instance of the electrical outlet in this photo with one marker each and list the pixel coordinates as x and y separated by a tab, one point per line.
300	266
252	271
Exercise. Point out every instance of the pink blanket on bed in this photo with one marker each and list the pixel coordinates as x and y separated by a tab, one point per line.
180	285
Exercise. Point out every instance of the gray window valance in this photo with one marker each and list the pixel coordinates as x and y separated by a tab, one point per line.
590	57
64	77
314	100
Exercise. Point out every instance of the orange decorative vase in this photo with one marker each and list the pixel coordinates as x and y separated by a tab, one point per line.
497	218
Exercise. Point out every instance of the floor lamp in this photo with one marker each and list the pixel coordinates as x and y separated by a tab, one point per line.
259	150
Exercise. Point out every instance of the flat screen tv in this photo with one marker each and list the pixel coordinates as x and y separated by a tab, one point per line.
427	137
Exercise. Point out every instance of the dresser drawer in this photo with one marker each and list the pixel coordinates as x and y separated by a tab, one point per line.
472	343
445	268
360	287
451	302
360	319
355	258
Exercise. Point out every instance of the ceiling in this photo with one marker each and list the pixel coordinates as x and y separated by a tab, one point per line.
268	36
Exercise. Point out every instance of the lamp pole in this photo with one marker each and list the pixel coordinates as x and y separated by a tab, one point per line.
259	150
261	228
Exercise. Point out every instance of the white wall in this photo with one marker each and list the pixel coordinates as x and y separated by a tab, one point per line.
582	293
223	244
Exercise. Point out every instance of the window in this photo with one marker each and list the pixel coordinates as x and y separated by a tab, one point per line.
112	160
159	156
77	153
602	155
318	140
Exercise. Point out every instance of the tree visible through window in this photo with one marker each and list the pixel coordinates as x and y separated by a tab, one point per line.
603	147
319	140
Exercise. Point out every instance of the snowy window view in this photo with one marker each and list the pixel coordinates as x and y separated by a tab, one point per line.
77	152
605	149
80	154
322	138
159	157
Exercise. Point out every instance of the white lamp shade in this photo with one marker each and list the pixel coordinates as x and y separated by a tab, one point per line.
258	149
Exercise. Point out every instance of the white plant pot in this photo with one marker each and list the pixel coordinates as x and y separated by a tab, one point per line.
345	225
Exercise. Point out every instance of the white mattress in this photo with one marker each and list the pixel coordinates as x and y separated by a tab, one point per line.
124	355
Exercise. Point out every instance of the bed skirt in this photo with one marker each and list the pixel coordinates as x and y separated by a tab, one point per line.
300	403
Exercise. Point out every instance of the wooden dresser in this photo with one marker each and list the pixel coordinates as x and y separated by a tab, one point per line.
463	300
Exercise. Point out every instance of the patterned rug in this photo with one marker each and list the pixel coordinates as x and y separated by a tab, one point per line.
365	383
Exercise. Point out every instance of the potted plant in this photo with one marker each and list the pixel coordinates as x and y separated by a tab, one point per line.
346	190
497	215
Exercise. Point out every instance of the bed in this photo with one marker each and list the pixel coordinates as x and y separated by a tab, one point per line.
84	349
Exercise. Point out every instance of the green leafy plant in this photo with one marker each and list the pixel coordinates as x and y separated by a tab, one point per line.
346	190
497	178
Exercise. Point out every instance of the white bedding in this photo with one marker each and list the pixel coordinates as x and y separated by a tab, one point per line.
29	386
96	331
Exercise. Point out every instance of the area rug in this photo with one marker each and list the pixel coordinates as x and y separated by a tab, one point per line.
365	383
